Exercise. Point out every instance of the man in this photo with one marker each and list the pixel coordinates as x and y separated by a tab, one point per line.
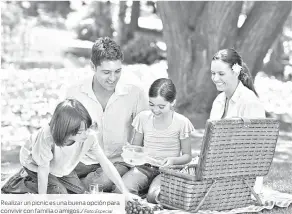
111	105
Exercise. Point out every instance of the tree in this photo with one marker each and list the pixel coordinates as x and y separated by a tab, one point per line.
195	31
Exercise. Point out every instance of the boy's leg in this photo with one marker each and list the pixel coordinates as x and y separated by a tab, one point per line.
54	185
99	177
16	184
73	183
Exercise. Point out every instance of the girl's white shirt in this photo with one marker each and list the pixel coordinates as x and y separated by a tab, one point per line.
164	143
41	151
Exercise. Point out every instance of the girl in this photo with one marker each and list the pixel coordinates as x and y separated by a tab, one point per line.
49	158
164	133
238	98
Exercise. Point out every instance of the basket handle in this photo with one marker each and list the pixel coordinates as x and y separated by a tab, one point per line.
253	192
205	196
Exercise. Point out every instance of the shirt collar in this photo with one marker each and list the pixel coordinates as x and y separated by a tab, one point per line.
86	87
236	95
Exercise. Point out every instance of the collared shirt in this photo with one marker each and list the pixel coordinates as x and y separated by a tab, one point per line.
41	151
243	103
114	123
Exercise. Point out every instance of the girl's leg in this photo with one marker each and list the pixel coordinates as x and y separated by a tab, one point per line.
99	177
83	170
154	190
138	179
135	181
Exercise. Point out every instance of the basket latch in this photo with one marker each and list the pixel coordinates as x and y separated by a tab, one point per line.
246	122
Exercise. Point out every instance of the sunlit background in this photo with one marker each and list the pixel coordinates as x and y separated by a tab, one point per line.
46	45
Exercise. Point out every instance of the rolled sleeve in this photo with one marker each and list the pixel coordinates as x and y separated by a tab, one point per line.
142	103
137	123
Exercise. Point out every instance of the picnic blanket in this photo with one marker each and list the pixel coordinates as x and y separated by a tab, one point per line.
269	197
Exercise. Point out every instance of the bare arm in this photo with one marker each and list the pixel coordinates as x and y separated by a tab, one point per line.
106	164
186	154
43	174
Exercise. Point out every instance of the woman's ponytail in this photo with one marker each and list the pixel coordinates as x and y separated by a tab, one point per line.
246	78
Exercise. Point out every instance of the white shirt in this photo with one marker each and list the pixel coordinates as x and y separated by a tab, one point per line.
40	150
164	143
114	123
243	103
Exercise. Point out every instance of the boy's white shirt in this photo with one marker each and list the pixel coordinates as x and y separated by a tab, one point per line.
40	150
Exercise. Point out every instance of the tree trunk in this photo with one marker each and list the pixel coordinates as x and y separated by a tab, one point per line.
260	30
195	31
121	36
190	47
135	14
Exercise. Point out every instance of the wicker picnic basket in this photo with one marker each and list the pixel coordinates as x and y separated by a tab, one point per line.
233	153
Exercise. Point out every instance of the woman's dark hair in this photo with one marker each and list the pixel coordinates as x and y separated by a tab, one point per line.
232	57
67	119
163	87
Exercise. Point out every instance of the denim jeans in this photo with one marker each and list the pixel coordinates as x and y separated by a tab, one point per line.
93	174
57	185
139	178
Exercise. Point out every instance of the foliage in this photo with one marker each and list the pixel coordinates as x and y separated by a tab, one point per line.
55	8
11	14
142	49
97	22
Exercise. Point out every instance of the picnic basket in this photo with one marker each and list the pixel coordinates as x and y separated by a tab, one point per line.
233	153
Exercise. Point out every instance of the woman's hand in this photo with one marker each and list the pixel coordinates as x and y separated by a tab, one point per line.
168	161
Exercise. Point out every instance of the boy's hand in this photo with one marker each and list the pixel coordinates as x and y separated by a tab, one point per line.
92	132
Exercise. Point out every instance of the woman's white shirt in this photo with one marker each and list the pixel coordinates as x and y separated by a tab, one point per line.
243	103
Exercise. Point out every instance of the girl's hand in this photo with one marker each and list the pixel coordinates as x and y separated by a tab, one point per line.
168	161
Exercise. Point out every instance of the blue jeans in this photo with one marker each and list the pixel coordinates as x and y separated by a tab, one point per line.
93	174
57	185
139	178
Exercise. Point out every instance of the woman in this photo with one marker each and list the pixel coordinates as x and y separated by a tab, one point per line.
238	98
